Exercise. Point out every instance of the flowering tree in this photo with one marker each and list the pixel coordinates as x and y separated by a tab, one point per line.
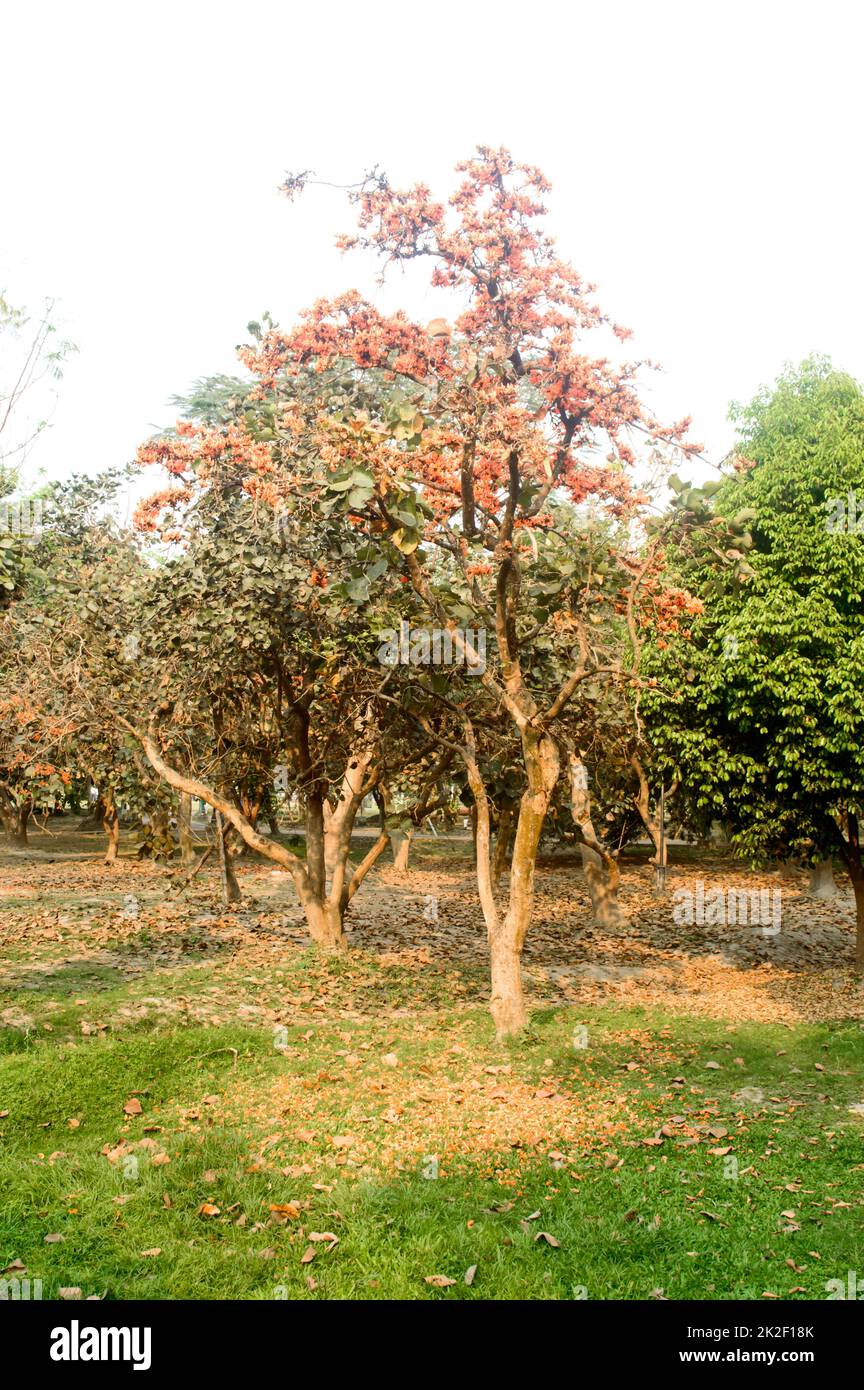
486	424
261	634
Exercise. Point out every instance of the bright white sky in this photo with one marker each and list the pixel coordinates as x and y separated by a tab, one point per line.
706	163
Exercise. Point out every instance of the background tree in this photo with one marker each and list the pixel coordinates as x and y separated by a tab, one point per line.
263	658
765	729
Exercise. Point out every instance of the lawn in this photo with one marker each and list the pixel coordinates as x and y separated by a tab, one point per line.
203	1111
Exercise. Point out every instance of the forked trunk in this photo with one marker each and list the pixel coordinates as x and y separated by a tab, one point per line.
542	765
507	934
324	908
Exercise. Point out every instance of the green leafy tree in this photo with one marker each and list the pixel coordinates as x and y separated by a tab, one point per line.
765	726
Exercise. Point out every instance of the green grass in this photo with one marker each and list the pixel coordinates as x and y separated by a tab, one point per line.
629	1217
538	1135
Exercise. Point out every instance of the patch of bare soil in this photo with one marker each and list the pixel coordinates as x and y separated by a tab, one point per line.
794	964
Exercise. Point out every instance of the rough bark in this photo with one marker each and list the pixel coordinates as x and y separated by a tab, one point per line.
506	932
326	925
339	820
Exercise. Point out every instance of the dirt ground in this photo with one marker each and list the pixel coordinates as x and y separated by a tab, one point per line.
56	894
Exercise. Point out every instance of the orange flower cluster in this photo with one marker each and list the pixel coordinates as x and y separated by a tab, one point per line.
193	452
510	376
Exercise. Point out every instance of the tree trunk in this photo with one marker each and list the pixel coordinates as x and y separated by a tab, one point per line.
503	841
821	883
10	813
111	826
850	847
507	1002
858	889
184	823
400	858
324	911
268	812
25	806
230	887
642	802
601	871
326	925
718	834
542	765
15	815
507	934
